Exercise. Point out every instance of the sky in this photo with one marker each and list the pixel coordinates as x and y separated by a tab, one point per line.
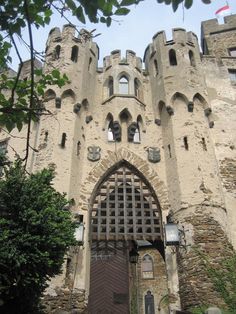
134	31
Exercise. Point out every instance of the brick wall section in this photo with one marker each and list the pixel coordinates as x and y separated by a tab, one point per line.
228	174
195	285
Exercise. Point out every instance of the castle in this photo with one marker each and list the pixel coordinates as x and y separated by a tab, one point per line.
136	148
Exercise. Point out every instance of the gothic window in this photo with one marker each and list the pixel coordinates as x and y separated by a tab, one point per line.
57	52
78	148
124	208
149	303
110	87
123	85
172	57
191	58
155	68
147	267
232	52
74	53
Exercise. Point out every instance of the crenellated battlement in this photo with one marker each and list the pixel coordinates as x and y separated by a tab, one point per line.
217	39
213	26
115	58
179	35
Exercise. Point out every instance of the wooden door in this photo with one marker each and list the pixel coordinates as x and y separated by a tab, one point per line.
109	278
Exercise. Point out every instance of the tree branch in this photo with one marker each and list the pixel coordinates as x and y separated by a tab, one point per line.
32	78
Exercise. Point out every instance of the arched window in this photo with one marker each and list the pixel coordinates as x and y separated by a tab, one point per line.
57	52
191	58
147	267
155	68
123	85
172	57
110	87
74	53
149	303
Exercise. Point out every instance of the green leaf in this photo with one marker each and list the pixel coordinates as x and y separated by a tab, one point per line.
56	73
108	21
71	4
188	3
122	11
80	15
127	2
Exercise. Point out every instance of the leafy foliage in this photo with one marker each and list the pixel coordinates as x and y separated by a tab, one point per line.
224	280
35	232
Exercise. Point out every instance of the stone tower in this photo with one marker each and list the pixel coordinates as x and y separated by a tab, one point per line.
136	147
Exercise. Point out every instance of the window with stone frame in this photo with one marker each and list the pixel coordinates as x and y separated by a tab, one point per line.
232	75
149	303
74	53
172	57
232	52
124	85
57	52
147	267
110	87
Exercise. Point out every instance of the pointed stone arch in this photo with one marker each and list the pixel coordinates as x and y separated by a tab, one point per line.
125	115
181	96
107	164
68	94
49	95
198	99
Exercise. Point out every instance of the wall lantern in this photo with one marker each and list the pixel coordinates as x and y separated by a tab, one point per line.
172	234
133	256
79	230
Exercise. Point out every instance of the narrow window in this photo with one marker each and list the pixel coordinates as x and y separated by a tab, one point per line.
137	138
149	303
63	140
169	149
172	57
74	53
124	85
90	62
185	142
78	148
111	87
232	75
46	136
155	68
136	88
57	52
191	58
110	135
147	267
204	144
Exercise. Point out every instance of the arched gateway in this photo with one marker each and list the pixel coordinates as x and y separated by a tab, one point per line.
125	222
